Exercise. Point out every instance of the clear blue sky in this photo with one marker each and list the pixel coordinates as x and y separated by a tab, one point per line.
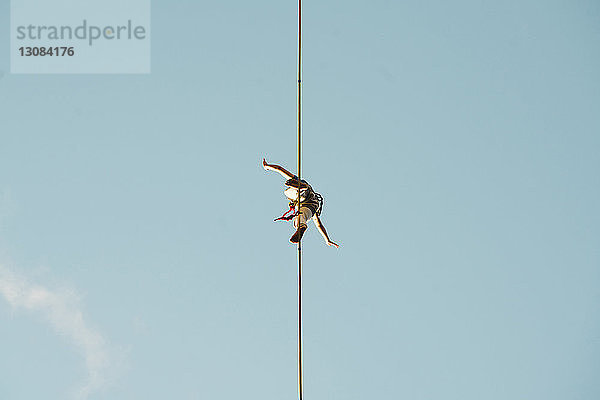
457	145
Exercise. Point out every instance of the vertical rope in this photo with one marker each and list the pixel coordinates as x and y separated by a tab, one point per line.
300	376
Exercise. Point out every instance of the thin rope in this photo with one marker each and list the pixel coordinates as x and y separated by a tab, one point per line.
300	376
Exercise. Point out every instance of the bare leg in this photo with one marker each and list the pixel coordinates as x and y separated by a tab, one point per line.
277	168
304	216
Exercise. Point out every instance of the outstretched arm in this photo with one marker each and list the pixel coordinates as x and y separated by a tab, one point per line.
321	229
274	167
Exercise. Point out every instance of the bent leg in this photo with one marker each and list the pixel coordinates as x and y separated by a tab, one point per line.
305	215
277	168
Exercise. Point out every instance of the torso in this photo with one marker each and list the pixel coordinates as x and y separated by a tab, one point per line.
307	197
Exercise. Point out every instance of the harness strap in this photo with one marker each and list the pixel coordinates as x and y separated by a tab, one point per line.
286	217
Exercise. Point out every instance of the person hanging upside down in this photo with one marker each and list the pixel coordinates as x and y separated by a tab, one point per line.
311	204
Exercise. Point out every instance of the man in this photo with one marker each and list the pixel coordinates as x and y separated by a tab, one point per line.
311	202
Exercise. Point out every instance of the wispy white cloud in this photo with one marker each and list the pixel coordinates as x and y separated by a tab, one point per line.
63	310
